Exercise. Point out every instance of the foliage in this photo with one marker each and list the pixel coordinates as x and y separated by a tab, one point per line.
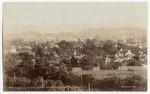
110	47
133	62
130	83
87	63
53	69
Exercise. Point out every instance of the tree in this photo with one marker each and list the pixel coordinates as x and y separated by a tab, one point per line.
89	48
110	83
50	83
131	41
65	45
133	62
71	79
115	65
59	83
136	81
10	64
66	61
87	78
65	48
110	47
40	51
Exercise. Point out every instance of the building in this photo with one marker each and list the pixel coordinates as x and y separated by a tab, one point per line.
32	54
142	57
107	60
13	50
129	55
119	54
19	61
34	61
25	49
56	55
76	69
119	60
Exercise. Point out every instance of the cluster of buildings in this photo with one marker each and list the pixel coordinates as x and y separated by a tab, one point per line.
119	57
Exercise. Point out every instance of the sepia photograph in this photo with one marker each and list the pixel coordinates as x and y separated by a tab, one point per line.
75	46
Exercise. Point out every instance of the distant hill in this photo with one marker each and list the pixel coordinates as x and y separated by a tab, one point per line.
104	33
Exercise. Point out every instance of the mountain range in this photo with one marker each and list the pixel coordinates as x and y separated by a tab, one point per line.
75	32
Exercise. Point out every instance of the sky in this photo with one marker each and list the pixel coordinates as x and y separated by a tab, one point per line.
92	14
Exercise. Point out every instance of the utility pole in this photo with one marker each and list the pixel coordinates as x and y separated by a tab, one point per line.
14	80
81	81
68	88
42	82
28	84
14	76
89	87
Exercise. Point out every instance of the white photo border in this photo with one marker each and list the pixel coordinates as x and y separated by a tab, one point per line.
99	92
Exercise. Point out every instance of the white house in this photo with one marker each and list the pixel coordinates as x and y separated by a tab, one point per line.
107	60
13	50
24	49
75	70
119	54
142	57
119	60
129	55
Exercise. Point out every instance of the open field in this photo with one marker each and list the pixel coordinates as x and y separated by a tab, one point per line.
100	74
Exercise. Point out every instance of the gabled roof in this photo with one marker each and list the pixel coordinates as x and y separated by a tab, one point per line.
129	53
79	57
118	60
13	50
120	51
56	55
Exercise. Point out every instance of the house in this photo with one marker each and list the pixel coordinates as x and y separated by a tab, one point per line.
56	55
76	69
74	62
54	62
101	43
34	61
129	55
107	60
45	50
75	53
96	42
75	59
32	54
13	50
119	54
142	57
119	60
25	49
19	61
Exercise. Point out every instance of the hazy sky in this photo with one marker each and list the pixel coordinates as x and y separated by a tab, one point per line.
104	14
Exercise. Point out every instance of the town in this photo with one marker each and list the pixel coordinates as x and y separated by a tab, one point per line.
91	64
